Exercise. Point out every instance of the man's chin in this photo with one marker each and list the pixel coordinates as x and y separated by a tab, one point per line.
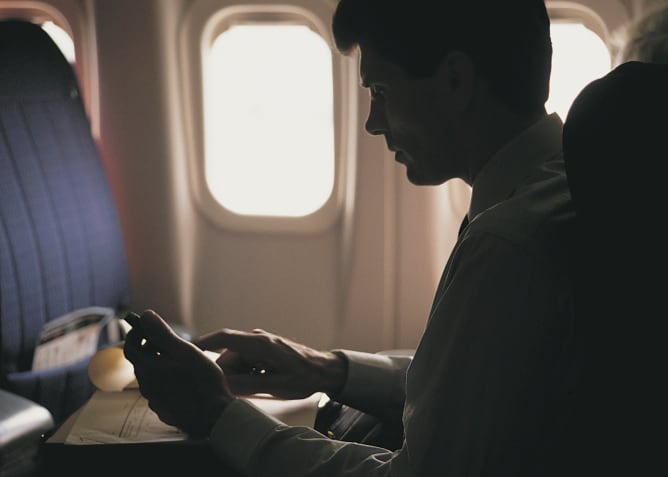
415	178
402	158
413	174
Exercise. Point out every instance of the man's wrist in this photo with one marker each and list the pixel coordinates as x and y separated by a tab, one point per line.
335	372
216	407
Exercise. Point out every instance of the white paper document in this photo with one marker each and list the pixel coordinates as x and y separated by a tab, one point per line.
120	417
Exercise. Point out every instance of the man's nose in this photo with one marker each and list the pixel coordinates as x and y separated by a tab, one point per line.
376	123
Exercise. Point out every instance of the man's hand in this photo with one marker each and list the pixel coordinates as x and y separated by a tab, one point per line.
182	385
261	362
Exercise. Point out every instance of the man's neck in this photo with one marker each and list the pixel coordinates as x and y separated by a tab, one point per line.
498	127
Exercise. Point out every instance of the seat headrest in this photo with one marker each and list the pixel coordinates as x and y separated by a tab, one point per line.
32	64
614	138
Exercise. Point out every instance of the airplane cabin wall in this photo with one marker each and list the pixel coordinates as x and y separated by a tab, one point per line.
141	143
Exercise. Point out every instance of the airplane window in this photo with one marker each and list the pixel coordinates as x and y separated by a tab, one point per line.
61	38
579	56
269	120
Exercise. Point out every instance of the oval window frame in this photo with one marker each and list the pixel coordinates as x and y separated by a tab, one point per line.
207	19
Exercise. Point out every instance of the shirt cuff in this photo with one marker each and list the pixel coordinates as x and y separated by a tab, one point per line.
239	431
373	376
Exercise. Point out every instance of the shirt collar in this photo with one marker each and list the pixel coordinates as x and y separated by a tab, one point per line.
506	169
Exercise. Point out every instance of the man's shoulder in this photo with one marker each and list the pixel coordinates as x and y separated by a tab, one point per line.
539	210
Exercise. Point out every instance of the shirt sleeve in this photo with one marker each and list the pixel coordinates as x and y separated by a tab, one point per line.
376	383
258	445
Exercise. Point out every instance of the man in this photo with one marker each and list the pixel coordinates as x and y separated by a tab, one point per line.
457	90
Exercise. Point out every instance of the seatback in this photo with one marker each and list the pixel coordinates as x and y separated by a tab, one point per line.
61	247
614	144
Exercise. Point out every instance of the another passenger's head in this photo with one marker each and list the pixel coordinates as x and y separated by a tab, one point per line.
647	39
614	139
614	143
431	66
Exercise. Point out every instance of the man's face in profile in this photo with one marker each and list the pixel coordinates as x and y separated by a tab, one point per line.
416	117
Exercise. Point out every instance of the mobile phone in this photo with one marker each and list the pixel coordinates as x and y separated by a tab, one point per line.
133	319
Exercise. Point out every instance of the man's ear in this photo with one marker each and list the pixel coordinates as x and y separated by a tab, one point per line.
459	73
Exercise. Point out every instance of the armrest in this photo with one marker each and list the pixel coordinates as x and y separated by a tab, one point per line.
23	423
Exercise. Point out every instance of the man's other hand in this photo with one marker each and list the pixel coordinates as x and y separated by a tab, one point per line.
262	362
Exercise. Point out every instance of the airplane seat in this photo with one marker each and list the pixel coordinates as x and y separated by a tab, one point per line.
614	142
61	248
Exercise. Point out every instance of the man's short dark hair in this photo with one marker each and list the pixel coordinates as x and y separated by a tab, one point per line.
508	41
647	39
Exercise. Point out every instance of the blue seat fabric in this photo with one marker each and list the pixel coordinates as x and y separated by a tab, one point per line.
61	246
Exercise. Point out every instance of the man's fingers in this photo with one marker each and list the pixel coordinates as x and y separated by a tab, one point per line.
233	339
156	328
160	336
150	336
133	348
217	340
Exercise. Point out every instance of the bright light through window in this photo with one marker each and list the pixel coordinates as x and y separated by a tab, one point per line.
579	56
269	120
62	39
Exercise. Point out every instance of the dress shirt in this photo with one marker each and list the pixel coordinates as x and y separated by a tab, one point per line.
483	393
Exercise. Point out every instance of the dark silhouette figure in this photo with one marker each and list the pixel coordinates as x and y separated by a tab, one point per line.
614	146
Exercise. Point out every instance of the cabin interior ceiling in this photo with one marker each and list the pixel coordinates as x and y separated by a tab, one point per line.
196	273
